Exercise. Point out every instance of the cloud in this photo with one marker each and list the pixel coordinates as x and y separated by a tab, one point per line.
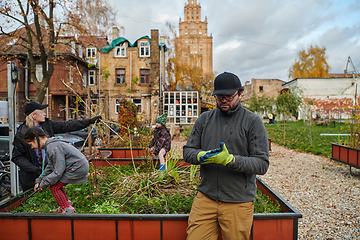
259	38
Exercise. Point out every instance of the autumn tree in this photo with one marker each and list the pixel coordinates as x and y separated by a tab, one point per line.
38	32
311	63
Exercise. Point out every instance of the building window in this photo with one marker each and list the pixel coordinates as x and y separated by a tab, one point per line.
120	76
91	52
73	47
261	88
117	105
84	76
200	32
144	76
137	102
144	49
91	77
120	51
185	32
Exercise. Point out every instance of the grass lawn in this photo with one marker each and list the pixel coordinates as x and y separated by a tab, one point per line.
297	136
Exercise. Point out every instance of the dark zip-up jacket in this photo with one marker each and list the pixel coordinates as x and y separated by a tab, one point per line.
244	135
25	157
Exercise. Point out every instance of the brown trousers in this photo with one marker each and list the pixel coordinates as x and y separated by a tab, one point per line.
207	217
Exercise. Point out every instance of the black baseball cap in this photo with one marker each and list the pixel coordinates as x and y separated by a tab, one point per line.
32	106
226	83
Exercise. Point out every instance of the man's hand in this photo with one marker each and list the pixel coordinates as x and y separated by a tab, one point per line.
219	155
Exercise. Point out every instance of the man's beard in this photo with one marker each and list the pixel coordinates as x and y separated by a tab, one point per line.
230	108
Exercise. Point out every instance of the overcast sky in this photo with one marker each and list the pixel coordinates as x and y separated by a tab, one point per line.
258	38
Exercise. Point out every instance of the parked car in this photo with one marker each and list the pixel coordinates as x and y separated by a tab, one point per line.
4	139
95	135
75	140
114	127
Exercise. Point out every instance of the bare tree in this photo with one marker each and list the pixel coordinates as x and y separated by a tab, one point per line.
37	36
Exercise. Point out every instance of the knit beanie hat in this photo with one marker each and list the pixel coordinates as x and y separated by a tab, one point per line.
162	119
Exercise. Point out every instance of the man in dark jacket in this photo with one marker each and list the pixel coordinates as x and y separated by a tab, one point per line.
231	145
28	159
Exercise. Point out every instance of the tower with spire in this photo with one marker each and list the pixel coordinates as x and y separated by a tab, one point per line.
193	45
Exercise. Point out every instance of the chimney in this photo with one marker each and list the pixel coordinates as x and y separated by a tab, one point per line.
162	39
115	33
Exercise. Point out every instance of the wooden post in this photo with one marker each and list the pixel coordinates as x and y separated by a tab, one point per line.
107	130
77	110
67	108
89	116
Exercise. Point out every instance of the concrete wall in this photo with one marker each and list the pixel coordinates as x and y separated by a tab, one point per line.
330	96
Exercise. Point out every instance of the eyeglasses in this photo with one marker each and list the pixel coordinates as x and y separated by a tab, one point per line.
228	98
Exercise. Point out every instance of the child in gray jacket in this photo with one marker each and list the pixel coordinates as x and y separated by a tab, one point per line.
66	165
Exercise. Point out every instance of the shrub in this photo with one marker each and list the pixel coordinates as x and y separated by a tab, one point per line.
127	116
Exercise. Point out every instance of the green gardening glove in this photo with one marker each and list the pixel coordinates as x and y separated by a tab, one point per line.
203	155
220	156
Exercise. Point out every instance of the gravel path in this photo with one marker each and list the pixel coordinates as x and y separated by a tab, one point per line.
322	190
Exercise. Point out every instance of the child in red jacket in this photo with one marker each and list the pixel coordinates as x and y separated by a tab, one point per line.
161	142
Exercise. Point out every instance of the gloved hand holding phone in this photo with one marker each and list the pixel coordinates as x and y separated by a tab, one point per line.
219	155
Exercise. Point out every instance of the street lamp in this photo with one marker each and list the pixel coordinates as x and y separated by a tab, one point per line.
15	73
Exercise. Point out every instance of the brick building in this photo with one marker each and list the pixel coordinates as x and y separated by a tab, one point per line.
136	72
261	87
70	67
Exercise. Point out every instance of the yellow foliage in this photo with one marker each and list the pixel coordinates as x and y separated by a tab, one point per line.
311	63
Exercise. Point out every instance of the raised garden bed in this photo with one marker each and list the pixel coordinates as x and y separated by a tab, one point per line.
108	162
134	226
269	142
125	156
345	154
125	153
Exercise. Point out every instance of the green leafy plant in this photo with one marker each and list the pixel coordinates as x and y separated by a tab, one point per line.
107	207
263	204
172	163
123	189
287	104
134	81
186	131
